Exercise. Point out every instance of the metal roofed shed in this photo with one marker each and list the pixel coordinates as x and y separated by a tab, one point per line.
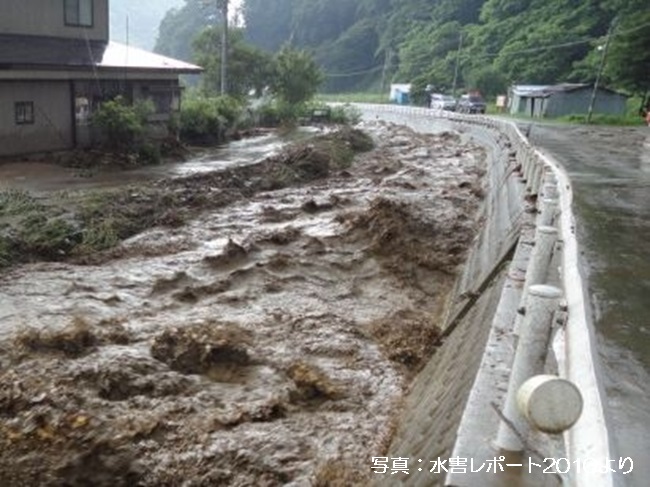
563	99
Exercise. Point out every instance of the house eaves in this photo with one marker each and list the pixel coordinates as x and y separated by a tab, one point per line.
58	54
121	57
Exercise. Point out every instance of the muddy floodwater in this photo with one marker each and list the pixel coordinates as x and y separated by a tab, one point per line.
41	176
269	342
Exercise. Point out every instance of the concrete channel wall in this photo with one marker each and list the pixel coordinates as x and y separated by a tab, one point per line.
455	408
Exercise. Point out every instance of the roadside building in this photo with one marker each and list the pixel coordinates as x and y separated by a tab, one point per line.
400	93
57	65
563	99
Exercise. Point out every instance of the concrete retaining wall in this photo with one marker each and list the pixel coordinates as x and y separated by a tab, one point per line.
452	410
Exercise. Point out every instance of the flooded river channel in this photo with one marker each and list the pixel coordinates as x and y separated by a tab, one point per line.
268	342
41	176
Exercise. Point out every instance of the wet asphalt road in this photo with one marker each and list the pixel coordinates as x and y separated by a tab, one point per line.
610	172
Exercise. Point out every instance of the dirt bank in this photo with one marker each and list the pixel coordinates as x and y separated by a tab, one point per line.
267	339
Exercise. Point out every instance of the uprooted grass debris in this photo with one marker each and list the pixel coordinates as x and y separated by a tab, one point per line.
311	382
407	337
76	339
202	349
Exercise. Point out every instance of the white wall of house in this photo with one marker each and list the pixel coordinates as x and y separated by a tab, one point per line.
85	19
50	127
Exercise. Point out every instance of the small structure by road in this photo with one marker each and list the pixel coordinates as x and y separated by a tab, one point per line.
563	99
400	93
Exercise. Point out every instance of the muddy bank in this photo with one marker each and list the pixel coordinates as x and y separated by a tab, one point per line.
265	340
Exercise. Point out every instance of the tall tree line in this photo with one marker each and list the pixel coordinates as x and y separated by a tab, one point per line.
360	43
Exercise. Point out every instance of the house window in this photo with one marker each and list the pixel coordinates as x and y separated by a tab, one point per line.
162	99
78	12
24	112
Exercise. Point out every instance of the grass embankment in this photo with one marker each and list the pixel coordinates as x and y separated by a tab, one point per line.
353	97
62	225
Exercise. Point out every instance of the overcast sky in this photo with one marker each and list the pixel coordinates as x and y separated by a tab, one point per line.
234	6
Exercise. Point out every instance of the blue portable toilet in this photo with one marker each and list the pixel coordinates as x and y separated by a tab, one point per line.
403	98
400	93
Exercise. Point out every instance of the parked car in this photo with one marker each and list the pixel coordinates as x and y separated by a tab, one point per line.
442	102
471	104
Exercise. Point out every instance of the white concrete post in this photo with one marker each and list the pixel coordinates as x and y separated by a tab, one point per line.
529	360
549	190
549	208
537	269
534	176
549	178
538	177
528	166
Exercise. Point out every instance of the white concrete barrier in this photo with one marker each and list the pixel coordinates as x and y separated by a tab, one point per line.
589	438
530	356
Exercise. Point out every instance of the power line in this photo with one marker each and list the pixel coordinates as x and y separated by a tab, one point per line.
354	73
530	50
561	45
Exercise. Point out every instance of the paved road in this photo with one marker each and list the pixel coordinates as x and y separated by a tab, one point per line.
610	172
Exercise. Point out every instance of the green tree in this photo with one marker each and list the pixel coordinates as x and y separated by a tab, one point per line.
207	120
249	68
488	80
526	41
296	77
316	22
180	26
629	57
268	24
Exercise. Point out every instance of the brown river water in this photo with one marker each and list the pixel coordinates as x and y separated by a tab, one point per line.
270	342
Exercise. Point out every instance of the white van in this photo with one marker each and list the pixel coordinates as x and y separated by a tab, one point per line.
442	102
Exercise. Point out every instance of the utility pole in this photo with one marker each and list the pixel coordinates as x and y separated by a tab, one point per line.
222	5
601	68
460	47
384	73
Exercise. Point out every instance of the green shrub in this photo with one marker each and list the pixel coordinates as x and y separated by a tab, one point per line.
272	114
149	154
208	119
346	114
50	238
278	113
100	235
17	202
122	124
5	252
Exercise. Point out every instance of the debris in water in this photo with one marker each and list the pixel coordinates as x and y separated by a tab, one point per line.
201	349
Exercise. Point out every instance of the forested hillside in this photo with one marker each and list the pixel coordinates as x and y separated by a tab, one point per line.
363	44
